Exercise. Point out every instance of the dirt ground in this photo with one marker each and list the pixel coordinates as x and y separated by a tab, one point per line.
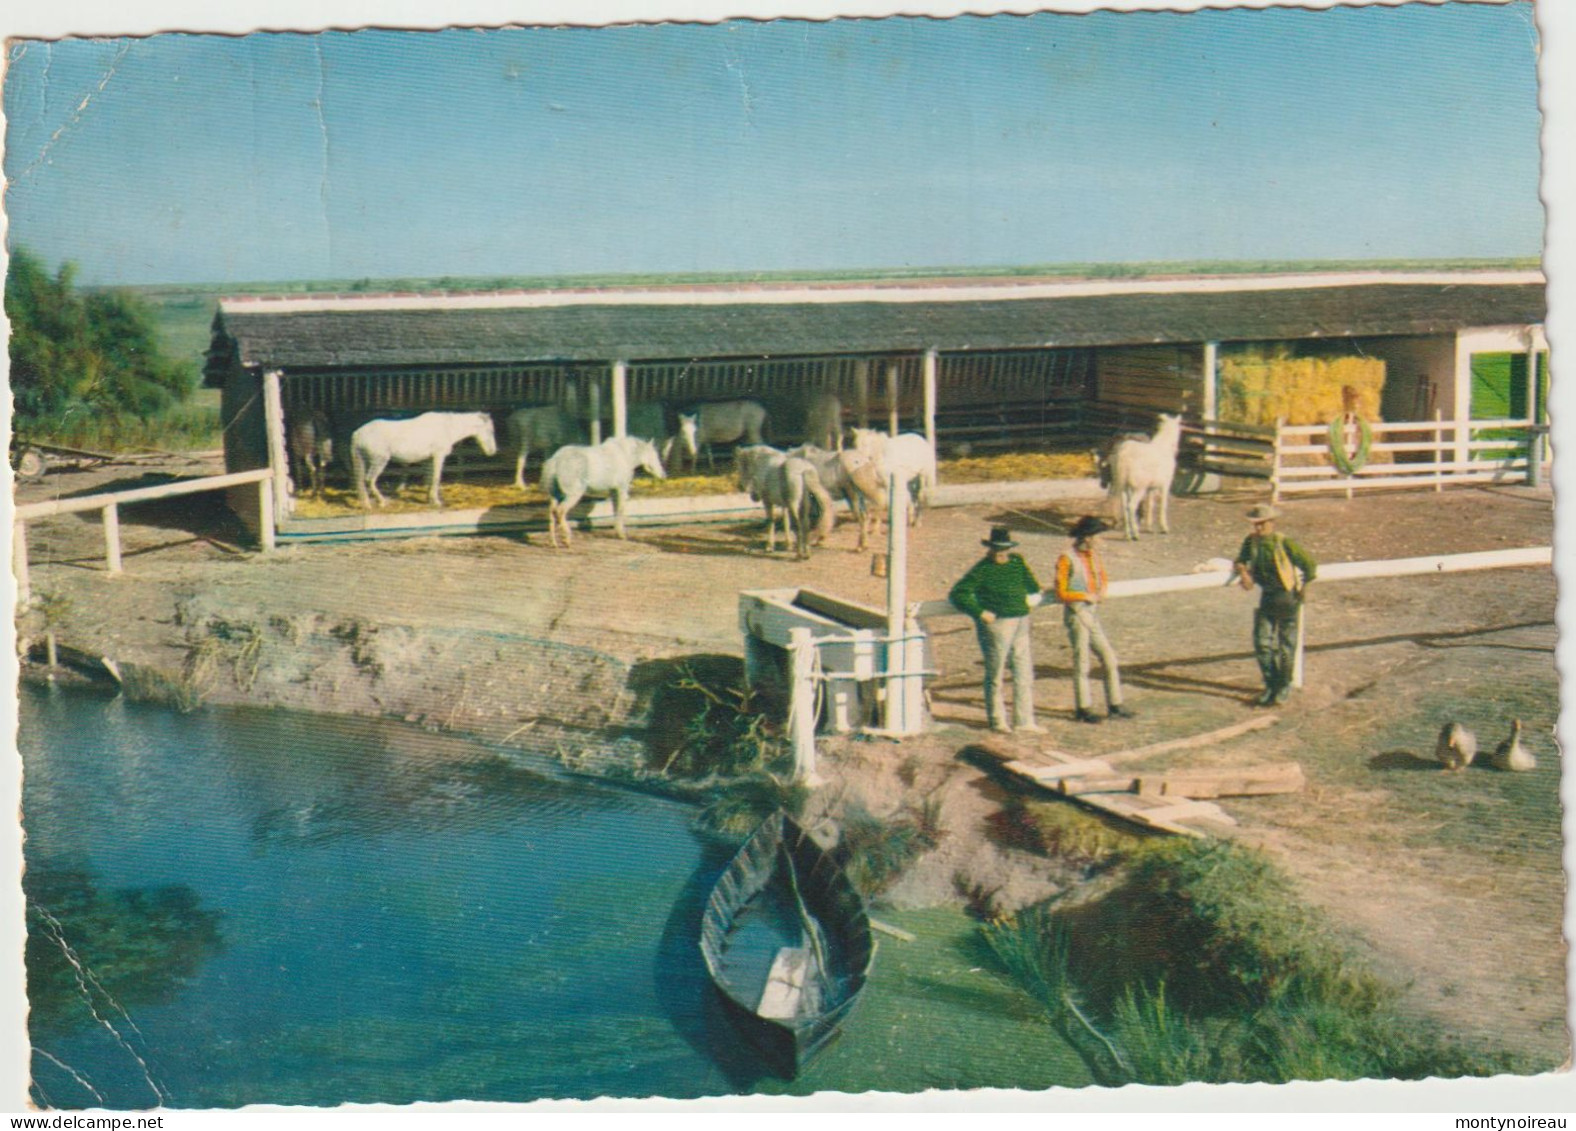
1450	883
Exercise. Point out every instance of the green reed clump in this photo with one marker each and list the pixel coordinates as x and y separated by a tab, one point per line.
1034	947
739	806
875	851
1205	966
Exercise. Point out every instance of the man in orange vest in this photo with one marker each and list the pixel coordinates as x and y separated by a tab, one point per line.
1080	585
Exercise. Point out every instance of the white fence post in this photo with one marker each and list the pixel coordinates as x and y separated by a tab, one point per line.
1275	461
801	702
24	591
112	537
265	514
932	365
278	456
620	398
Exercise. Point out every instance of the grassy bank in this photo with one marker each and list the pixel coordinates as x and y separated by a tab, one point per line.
1203	964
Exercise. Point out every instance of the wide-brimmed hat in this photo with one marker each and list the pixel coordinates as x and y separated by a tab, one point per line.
1263	513
1000	539
1088	527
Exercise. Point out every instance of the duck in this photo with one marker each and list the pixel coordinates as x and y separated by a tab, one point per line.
1511	754
1456	748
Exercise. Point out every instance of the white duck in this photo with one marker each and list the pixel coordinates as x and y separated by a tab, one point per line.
1456	748
1512	755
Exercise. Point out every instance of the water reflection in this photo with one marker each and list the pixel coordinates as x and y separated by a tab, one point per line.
299	910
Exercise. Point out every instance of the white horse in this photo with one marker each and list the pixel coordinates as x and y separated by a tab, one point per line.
430	436
787	484
823	425
1143	470
548	427
577	470
720	422
909	457
852	476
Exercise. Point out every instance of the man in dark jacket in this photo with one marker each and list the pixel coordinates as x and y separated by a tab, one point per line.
998	593
1281	569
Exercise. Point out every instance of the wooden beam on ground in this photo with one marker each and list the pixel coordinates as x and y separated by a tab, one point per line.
1158	814
1250	781
1246	726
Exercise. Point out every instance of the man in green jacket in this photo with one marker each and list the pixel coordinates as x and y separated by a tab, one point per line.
998	593
1281	569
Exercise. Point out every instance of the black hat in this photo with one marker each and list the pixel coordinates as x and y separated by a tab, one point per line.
1088	527
1000	539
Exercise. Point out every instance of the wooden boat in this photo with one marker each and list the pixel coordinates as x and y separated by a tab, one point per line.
786	939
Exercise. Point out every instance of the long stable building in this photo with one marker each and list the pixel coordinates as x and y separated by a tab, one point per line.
986	362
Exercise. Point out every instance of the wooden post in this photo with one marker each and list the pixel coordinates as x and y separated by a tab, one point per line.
904	700
1275	461
862	391
24	591
620	398
278	461
1439	450
932	364
265	514
801	702
1296	665
595	401
1211	379
112	537
891	396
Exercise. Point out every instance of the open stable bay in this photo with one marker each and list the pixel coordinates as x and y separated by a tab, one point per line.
245	906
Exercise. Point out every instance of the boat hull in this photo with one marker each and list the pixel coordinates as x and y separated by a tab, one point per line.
754	927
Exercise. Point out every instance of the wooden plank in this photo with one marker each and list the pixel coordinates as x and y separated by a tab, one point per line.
1250	781
785	983
1246	726
1003	749
1049	776
1118	805
1165	817
1188	810
888	929
29	511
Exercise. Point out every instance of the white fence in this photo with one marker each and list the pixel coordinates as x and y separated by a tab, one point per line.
109	504
1409	454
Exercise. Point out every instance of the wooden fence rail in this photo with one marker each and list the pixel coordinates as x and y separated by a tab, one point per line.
109	503
1520	557
1461	452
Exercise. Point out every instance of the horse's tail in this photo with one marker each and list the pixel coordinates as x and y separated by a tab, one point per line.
816	491
550	485
358	471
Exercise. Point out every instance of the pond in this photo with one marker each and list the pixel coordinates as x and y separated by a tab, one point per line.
250	906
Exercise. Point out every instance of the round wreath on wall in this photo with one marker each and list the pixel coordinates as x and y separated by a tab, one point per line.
1349	463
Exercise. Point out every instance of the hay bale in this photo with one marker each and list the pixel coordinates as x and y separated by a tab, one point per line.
1259	388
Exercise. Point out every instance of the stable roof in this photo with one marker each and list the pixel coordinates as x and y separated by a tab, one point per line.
387	331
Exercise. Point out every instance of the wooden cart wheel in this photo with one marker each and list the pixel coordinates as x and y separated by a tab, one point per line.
31	465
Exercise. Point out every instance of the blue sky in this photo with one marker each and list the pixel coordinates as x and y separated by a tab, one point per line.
789	145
